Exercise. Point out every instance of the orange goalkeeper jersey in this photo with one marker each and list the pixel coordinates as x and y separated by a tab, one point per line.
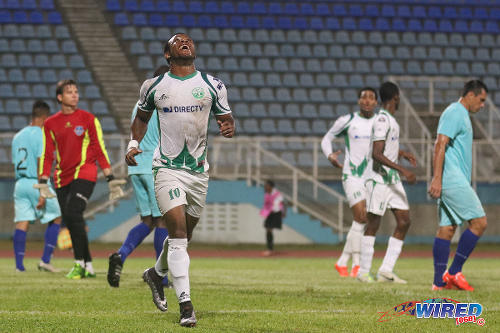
78	144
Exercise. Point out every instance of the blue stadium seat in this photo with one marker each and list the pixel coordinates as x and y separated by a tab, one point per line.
108	124
113	5
329	66
396	67
446	68
155	20
145	62
3	75
76	61
121	19
430	68
211	7
316	95
461	26
36	18
323	9
139	19
450	13
259	8
379	67
414	25
236	21
92	92
492	27
419	12
61	32
47	4
147	6
382	24
25	60
131	6
314	65
17	45
302	126
399	25
84	76
33	75
27	31
403	11
348	23
292	9
388	11
462	68
6	90
13	106
5	17
316	23
258	110
162	6
465	13
99	107
227	7
483	54
54	18
478	69
12	4
20	17
284	127
49	76
306	9
11	31
333	95
220	21
40	91
371	11
19	122
58	61
16	75
50	46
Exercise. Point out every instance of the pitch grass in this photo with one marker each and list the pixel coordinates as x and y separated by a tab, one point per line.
237	295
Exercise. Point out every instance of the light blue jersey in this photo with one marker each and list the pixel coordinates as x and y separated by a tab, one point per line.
27	147
147	145
455	123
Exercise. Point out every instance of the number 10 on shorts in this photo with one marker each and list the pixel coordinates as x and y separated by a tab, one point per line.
174	193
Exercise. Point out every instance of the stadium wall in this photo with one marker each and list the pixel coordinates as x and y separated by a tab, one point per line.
235	218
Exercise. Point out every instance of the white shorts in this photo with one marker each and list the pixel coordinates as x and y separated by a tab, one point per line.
354	189
181	187
383	196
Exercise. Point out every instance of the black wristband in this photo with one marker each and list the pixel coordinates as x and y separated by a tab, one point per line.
43	181
109	178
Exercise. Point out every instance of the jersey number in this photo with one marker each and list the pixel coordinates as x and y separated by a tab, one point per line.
19	165
175	192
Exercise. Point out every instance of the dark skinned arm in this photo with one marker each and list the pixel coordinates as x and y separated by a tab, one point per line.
437	163
138	129
378	155
226	125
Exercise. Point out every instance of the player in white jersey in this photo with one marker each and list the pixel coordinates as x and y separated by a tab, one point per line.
356	129
384	188
184	99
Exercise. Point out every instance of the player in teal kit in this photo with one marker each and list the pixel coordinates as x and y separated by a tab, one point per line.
451	185
29	206
142	180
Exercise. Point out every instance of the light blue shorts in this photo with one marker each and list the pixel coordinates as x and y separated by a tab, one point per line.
145	198
457	205
25	201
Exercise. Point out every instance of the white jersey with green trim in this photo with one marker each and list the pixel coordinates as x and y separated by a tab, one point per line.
385	128
184	105
356	131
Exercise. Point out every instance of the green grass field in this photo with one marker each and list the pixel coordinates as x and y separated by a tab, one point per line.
237	295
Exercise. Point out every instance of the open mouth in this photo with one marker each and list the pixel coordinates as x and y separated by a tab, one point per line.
184	47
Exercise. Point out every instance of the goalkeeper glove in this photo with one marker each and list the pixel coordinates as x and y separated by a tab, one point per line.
44	189
115	189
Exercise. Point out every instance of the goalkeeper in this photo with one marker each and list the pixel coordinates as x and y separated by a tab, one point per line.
76	138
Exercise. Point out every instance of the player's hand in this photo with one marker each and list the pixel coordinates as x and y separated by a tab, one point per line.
333	158
44	190
226	128
115	188
410	158
435	188
410	176
130	157
41	203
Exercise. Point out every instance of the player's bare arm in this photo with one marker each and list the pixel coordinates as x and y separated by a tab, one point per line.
378	155
408	156
333	158
226	125
438	162
138	130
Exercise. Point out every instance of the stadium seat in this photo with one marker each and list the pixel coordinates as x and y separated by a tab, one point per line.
40	91
308	111
58	61
33	75
446	68
20	17
49	76
25	60
16	75
121	19
284	127
108	124
61	32
50	46
145	62
258	110
54	18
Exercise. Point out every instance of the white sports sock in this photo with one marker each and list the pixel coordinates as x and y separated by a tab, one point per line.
161	266
178	263
89	268
391	255
367	250
357	230
81	262
346	252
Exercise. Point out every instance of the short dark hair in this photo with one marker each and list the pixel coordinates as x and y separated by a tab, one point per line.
166	48
270	183
62	84
476	86
161	70
368	89
40	109
388	91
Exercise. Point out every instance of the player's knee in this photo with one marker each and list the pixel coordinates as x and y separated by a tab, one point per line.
405	223
179	234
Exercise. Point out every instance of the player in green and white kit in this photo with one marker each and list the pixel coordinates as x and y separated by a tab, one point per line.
184	99
356	129
385	189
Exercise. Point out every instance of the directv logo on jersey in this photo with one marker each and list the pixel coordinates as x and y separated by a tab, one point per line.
462	312
189	108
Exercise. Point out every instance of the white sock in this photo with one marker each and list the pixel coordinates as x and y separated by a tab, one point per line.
89	268
81	262
161	266
346	252
357	230
391	255
367	250
178	263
